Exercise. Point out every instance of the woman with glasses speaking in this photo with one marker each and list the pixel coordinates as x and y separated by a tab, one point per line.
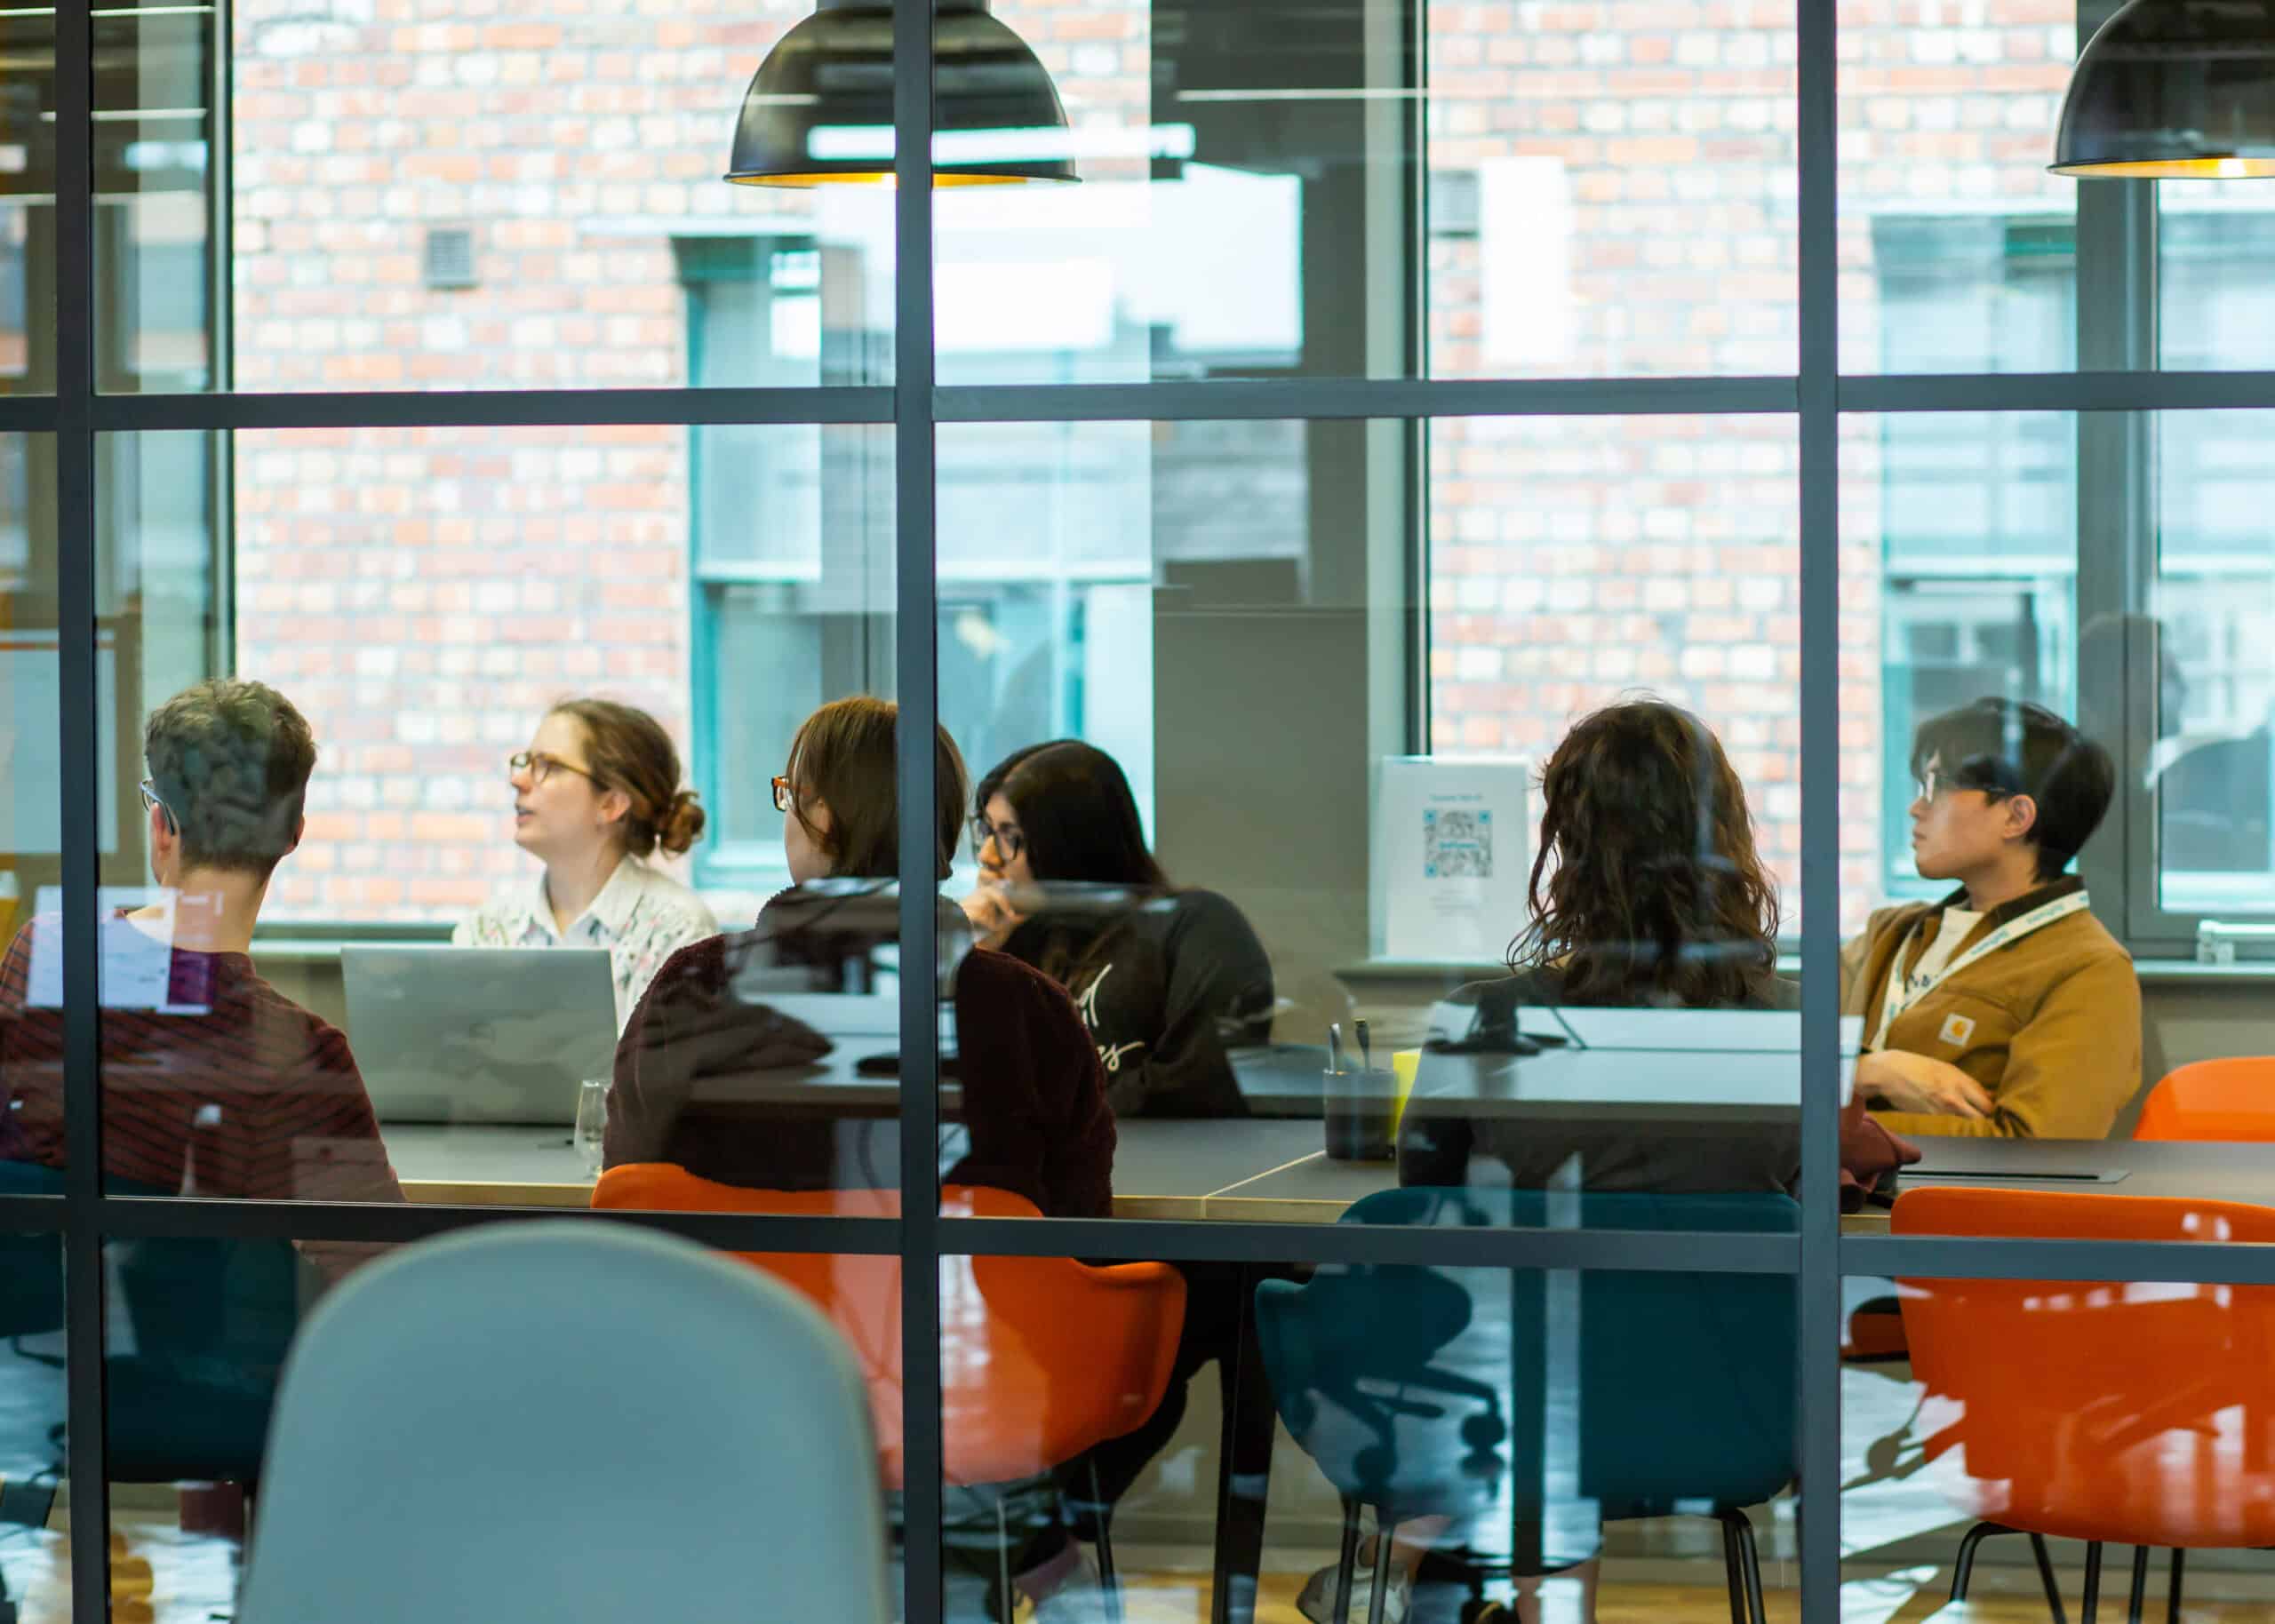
597	793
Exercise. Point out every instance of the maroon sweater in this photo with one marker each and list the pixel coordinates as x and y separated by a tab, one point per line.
1033	1098
231	1089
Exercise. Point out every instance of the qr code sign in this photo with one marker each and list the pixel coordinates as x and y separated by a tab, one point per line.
1456	845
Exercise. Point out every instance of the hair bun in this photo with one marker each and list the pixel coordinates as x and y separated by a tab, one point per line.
682	824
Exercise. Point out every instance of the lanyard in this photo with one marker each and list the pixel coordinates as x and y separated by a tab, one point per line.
1899	998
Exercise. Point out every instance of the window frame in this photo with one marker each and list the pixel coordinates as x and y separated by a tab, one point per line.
1815	394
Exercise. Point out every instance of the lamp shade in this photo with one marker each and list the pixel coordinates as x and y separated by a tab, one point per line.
2174	90
818	111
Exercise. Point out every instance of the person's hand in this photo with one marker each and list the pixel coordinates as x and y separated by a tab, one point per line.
1898	1081
993	918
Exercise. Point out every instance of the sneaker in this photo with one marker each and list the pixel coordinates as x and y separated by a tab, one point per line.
1318	1598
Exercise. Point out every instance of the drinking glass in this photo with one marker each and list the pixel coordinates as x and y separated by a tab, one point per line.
592	1122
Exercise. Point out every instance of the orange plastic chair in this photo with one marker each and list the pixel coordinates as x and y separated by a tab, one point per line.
1041	1358
2230	1100
2122	1413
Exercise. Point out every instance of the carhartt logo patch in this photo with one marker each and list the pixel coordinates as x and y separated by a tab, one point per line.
1958	1031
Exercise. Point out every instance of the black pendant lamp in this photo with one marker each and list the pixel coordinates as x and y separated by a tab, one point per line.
818	111
2174	90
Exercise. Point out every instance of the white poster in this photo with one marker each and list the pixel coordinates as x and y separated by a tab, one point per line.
1452	853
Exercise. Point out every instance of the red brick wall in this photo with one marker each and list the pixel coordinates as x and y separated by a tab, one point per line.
426	595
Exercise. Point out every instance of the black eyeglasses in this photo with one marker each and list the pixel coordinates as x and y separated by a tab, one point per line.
151	803
1936	782
1009	842
540	767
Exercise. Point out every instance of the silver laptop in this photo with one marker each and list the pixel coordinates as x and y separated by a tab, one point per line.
479	1034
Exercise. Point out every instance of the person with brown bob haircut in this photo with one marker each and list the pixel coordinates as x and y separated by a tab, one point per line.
1035	1104
596	795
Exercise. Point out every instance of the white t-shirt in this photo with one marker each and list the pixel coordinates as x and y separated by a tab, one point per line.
1957	925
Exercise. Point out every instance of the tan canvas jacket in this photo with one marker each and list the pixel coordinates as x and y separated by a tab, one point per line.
2049	1025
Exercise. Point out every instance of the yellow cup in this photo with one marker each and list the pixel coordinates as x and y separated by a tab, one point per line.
1403	1064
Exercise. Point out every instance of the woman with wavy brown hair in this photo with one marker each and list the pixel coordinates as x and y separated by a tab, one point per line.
1647	888
1647	893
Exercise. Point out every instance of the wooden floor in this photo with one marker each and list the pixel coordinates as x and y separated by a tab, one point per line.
161	1576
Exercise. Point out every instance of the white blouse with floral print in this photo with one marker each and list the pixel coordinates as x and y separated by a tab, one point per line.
641	916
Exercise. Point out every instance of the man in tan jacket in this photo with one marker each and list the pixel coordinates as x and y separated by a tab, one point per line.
2006	1009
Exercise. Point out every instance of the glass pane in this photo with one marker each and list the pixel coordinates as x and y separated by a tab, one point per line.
159	99
2204	654
1984	956
1958	252
1980	521
1199	1433
487	694
31	838
34	1516
1279	852
1367	191
28	204
1942	1432
2211	309
471	203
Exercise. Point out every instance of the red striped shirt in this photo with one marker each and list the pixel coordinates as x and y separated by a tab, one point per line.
226	1089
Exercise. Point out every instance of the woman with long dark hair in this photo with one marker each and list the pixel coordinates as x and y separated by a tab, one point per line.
1166	979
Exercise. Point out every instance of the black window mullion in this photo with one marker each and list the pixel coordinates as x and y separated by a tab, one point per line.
917	684
75	637
1818	1286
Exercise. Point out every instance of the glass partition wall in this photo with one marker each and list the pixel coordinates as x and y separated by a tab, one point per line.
1336	414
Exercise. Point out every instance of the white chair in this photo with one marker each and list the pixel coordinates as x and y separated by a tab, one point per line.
572	1423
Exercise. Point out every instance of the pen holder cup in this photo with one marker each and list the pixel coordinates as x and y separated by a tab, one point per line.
1361	1109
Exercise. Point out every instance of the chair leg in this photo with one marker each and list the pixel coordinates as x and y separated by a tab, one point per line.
2139	1597
1109	1581
1347	1563
2092	1604
2046	1578
1750	1561
1743	1561
1384	1528
2172	1596
1006	1602
1731	1570
1963	1566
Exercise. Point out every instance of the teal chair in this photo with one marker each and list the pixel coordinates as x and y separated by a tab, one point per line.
210	1322
1448	1392
569	1422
